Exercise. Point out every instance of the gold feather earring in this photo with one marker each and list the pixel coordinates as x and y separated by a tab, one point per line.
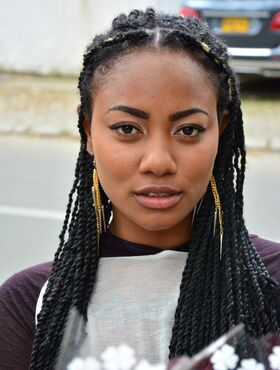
99	208
217	213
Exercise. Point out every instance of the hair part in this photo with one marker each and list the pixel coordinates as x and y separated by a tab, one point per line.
214	295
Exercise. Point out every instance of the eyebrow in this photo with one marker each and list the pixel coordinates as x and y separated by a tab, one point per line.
186	113
133	111
141	114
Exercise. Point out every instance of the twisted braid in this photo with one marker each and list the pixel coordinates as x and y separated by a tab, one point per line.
214	295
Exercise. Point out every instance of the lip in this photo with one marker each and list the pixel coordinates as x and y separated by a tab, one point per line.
160	202
158	189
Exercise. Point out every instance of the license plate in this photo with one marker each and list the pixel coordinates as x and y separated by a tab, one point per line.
235	25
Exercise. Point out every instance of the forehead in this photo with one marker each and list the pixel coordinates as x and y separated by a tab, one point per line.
156	73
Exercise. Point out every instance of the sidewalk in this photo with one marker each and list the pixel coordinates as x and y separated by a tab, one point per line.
46	106
33	105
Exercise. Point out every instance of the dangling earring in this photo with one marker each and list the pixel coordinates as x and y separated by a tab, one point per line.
197	208
99	208
217	213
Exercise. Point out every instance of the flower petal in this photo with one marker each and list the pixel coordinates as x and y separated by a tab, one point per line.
76	364
92	364
276	350
231	361
145	365
227	350
274	362
217	357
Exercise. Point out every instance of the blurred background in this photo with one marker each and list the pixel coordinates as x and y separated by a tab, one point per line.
41	47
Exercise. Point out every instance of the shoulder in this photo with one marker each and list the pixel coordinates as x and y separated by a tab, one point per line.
270	254
20	292
18	298
25	284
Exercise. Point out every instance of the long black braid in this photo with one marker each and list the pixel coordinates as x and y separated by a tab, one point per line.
214	295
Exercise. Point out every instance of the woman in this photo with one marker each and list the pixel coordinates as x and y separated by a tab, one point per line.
162	145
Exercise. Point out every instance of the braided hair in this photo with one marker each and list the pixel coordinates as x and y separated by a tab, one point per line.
215	294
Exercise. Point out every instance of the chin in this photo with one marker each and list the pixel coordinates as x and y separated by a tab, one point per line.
156	227
157	224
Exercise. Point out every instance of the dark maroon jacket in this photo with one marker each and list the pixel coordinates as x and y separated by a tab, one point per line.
19	294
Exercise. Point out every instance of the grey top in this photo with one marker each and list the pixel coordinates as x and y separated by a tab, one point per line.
19	294
134	303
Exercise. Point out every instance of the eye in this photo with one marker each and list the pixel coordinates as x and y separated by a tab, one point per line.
125	129
190	130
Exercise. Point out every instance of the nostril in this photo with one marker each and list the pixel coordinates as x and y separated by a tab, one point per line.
158	163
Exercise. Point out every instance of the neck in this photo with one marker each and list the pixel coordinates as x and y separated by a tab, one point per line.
162	239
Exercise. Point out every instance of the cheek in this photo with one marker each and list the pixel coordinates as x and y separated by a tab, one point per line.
200	162
117	165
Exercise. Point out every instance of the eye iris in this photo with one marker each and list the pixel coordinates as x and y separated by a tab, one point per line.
127	129
188	130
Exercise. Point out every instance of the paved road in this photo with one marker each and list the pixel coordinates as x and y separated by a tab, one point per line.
36	175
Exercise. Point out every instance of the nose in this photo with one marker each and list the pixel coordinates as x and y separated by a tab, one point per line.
158	159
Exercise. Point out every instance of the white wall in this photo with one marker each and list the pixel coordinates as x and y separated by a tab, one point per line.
50	36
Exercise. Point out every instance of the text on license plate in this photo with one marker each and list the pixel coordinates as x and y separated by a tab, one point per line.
235	25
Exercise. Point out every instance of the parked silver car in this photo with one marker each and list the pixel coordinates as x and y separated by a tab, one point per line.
251	29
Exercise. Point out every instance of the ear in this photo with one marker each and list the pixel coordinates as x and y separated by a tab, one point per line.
87	129
223	121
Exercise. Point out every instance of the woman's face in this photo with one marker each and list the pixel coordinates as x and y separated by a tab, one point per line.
154	134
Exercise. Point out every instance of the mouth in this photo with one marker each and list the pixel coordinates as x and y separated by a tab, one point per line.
158	197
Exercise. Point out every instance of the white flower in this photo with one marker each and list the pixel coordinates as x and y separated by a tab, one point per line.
274	358
251	364
118	358
88	363
224	358
145	365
